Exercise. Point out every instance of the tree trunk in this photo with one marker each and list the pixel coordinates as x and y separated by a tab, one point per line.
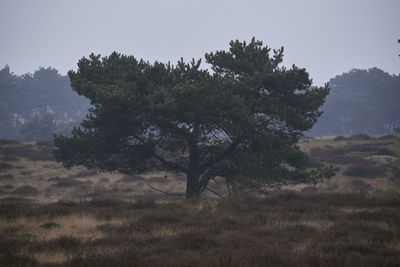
193	186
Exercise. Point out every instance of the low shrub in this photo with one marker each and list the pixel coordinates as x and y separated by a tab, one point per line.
359	137
104	180
387	137
131	179
83	174
339	138
26	190
395	168
194	241
355	137
28	151
144	204
48	143
6	177
368	147
10	158
5	166
49	225
314	163
365	170
309	190
43	153
7	187
332	155
55	179
384	151
70	183
157	180
360	186
152	221
66	242
320	152
8	142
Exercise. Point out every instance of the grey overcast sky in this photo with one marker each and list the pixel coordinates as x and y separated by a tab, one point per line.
327	37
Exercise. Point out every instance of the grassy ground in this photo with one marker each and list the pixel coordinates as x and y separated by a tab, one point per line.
368	165
51	216
284	230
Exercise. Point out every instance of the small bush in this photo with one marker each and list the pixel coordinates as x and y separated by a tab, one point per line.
387	137
365	170
7	187
359	137
360	186
314	163
395	170
70	183
6	177
5	166
131	179
152	221
55	179
157	180
331	155
8	142
309	190
83	174
10	158
26	190
362	148
339	138
104	180
384	151
48	143
65	242
319	152
28	151
144	204
194	240
44	153
49	225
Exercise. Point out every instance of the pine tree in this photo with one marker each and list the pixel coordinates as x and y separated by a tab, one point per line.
241	122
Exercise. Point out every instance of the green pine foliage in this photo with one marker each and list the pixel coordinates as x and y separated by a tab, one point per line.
241	121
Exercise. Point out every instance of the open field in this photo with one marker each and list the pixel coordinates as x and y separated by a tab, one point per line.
51	216
284	230
368	165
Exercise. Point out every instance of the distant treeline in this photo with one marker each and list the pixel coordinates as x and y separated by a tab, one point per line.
34	106
361	101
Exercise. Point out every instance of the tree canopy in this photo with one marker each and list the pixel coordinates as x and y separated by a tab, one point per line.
33	106
240	121
361	101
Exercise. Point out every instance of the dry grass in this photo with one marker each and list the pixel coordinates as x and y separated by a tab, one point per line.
355	155
51	216
282	230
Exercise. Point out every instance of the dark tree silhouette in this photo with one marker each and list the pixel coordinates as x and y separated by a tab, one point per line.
242	122
32	99
361	101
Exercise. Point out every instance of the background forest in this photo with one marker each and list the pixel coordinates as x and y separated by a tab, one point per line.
34	106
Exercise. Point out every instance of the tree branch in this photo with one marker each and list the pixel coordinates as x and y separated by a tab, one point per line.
165	192
171	165
215	192
218	158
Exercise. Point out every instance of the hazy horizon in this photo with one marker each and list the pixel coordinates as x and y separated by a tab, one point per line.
325	37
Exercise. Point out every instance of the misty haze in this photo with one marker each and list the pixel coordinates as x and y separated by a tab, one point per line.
211	133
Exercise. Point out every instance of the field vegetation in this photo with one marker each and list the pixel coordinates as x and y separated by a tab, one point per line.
52	216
